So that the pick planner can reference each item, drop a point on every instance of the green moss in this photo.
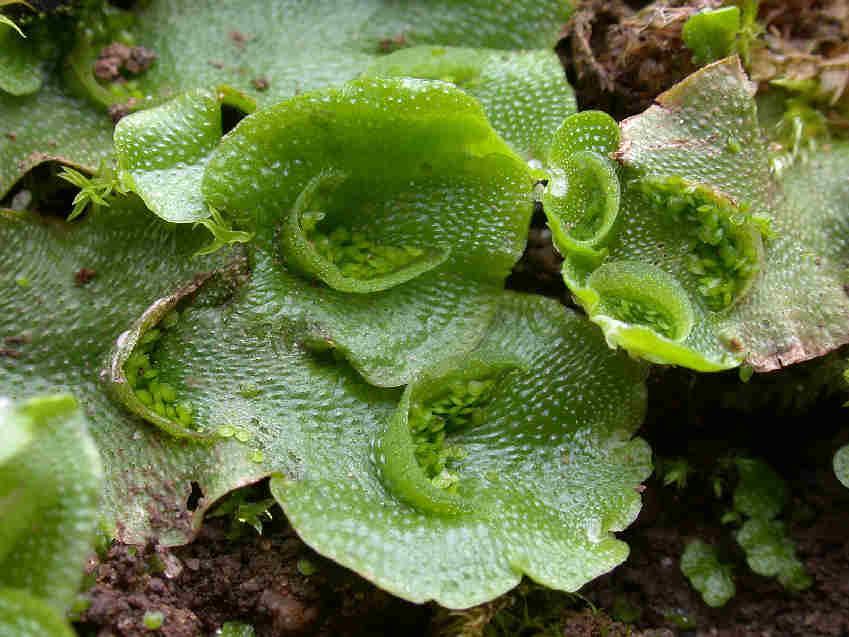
(241, 510)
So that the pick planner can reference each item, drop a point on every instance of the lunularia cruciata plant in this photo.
(368, 171)
(50, 481)
(364, 475)
(509, 451)
(538, 495)
(682, 243)
(162, 152)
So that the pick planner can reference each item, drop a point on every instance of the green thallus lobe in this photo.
(348, 185)
(582, 202)
(588, 226)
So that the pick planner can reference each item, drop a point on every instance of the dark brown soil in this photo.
(817, 26)
(619, 58)
(807, 41)
(538, 271)
(256, 579)
(116, 62)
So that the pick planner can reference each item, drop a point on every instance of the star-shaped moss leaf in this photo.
(681, 243)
